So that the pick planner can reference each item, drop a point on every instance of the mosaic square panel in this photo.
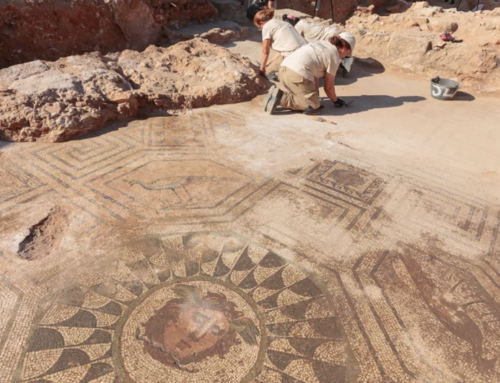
(177, 131)
(340, 177)
(466, 220)
(302, 216)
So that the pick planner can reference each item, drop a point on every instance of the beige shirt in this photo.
(314, 60)
(284, 37)
(315, 32)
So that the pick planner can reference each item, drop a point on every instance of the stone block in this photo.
(440, 25)
(407, 47)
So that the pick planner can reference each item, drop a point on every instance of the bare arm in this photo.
(271, 4)
(266, 48)
(330, 87)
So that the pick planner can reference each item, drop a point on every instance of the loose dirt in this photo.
(45, 236)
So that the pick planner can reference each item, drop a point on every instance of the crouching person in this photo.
(279, 35)
(300, 72)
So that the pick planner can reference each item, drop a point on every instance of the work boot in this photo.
(311, 111)
(274, 100)
(268, 98)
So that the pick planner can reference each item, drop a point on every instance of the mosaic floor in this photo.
(224, 247)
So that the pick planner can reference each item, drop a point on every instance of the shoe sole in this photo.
(267, 99)
(274, 100)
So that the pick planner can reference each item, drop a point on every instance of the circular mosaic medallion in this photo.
(194, 331)
(196, 307)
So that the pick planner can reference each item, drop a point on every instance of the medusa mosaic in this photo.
(195, 325)
(192, 308)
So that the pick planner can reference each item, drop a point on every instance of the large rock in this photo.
(190, 74)
(408, 43)
(136, 20)
(51, 29)
(55, 101)
(440, 25)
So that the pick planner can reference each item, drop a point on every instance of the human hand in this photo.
(339, 103)
(262, 72)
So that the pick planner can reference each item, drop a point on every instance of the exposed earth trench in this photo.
(221, 244)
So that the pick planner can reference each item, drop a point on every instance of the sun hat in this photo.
(347, 36)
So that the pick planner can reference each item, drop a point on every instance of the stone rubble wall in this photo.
(410, 42)
(51, 29)
(344, 9)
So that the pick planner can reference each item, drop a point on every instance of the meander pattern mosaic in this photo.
(235, 276)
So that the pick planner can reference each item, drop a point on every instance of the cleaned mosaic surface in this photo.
(141, 256)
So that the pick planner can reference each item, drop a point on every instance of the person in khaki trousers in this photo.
(279, 35)
(300, 72)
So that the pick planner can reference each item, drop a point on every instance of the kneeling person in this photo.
(300, 72)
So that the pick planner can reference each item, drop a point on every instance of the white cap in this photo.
(347, 36)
